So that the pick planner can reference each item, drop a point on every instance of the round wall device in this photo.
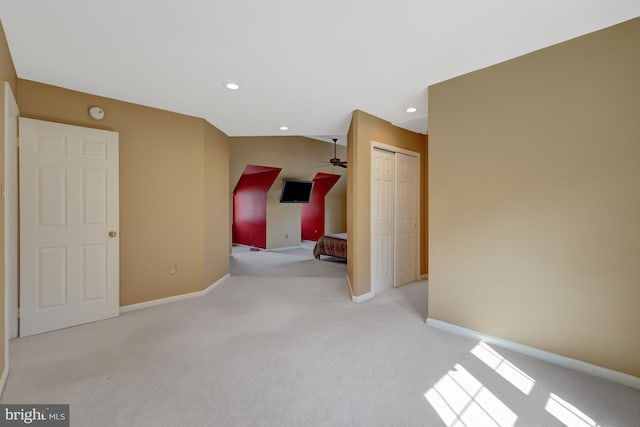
(96, 113)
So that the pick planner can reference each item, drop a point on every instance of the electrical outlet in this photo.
(173, 269)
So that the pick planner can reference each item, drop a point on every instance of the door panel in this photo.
(52, 196)
(95, 197)
(383, 165)
(94, 272)
(406, 219)
(51, 288)
(68, 206)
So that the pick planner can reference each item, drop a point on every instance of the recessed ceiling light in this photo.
(284, 128)
(232, 86)
(412, 110)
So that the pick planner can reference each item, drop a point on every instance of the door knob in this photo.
(112, 234)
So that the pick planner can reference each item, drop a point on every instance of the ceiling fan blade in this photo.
(342, 164)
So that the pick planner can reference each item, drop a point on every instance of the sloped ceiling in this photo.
(302, 64)
(298, 157)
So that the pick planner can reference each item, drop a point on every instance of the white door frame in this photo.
(10, 194)
(394, 149)
(11, 112)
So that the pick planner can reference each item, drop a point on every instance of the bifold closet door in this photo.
(406, 219)
(382, 217)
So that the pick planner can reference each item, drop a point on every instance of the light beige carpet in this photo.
(297, 352)
(297, 262)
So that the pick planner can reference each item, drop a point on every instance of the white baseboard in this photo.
(359, 298)
(247, 246)
(556, 359)
(3, 379)
(349, 288)
(161, 301)
(284, 249)
(363, 297)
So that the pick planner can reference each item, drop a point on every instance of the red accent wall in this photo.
(313, 212)
(250, 205)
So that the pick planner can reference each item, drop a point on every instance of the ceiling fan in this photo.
(336, 161)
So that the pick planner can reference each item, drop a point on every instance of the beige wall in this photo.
(534, 168)
(7, 73)
(163, 194)
(7, 70)
(335, 215)
(299, 158)
(284, 221)
(350, 207)
(364, 129)
(216, 204)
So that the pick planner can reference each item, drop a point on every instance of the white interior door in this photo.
(68, 225)
(10, 189)
(382, 217)
(406, 219)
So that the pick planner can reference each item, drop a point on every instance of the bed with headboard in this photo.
(334, 245)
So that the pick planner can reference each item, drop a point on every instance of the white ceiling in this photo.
(300, 63)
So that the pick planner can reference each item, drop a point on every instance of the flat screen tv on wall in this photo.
(296, 191)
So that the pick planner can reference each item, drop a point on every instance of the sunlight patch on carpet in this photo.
(567, 413)
(461, 400)
(503, 367)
